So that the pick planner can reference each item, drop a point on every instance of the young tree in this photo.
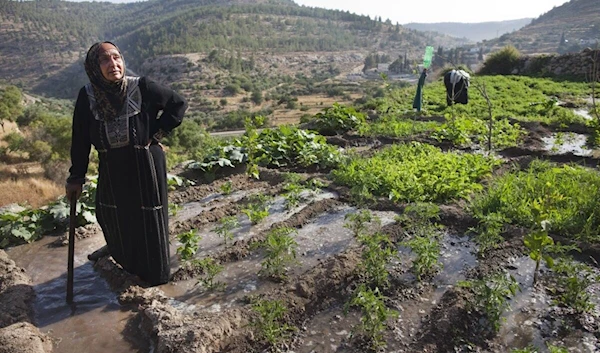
(369, 63)
(396, 66)
(438, 59)
(256, 97)
(10, 105)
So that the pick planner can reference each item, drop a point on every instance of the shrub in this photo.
(257, 97)
(538, 65)
(339, 119)
(231, 89)
(502, 62)
(291, 105)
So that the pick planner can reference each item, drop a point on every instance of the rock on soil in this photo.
(23, 337)
(17, 334)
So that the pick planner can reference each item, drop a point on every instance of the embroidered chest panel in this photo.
(117, 129)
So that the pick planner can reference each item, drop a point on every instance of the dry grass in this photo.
(312, 104)
(33, 191)
(24, 183)
(9, 126)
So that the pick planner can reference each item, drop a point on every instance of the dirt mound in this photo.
(17, 333)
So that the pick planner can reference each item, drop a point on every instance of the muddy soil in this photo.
(186, 315)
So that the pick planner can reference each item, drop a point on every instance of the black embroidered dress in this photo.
(131, 198)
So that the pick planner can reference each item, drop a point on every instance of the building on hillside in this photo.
(383, 68)
(589, 41)
(355, 76)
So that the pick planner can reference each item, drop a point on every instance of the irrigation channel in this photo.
(113, 312)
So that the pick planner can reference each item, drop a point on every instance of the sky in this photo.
(431, 11)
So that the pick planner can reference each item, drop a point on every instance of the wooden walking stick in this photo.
(72, 222)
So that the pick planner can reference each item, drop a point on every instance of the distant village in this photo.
(403, 68)
(472, 57)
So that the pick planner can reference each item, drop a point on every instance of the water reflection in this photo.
(562, 143)
(95, 320)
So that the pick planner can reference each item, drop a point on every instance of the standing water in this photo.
(95, 320)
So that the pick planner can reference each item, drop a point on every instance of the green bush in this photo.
(338, 119)
(231, 89)
(256, 97)
(538, 65)
(502, 62)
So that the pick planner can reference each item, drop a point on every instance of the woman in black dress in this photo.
(119, 115)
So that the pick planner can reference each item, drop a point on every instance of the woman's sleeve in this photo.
(80, 140)
(172, 104)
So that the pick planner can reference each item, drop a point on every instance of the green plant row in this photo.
(416, 172)
(571, 210)
(29, 225)
(284, 146)
(519, 97)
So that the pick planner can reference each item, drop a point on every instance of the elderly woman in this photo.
(119, 115)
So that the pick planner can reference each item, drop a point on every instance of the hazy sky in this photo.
(429, 11)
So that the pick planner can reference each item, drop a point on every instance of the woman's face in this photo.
(111, 62)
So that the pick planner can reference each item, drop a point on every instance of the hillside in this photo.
(475, 32)
(566, 28)
(48, 39)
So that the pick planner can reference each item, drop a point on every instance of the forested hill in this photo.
(43, 42)
(566, 28)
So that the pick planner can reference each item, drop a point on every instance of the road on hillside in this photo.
(229, 133)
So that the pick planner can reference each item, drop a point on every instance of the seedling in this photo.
(267, 325)
(258, 209)
(209, 268)
(189, 244)
(226, 188)
(488, 232)
(538, 241)
(418, 217)
(427, 249)
(173, 209)
(292, 178)
(378, 251)
(573, 280)
(252, 144)
(358, 222)
(280, 249)
(225, 227)
(292, 195)
(255, 213)
(315, 184)
(556, 349)
(361, 195)
(374, 315)
(491, 295)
